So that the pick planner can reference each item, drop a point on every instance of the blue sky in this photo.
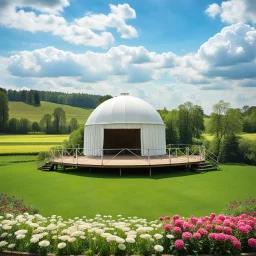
(164, 51)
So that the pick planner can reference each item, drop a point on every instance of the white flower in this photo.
(130, 240)
(77, 233)
(64, 238)
(7, 227)
(158, 236)
(34, 240)
(158, 248)
(120, 240)
(4, 235)
(62, 245)
(11, 246)
(72, 239)
(170, 236)
(122, 247)
(145, 236)
(9, 216)
(21, 232)
(44, 243)
(3, 243)
(19, 237)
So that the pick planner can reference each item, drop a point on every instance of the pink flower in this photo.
(221, 217)
(186, 236)
(208, 226)
(194, 219)
(167, 218)
(177, 230)
(220, 237)
(212, 215)
(179, 244)
(243, 229)
(167, 227)
(199, 222)
(236, 244)
(211, 236)
(252, 242)
(202, 231)
(228, 230)
(197, 235)
(178, 223)
(175, 217)
(218, 228)
(161, 218)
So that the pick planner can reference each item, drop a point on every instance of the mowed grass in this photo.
(29, 143)
(250, 136)
(81, 193)
(23, 110)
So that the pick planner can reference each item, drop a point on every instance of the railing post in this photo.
(148, 158)
(203, 153)
(176, 152)
(101, 157)
(76, 157)
(188, 153)
(169, 155)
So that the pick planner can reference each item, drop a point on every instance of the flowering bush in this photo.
(15, 206)
(237, 208)
(219, 235)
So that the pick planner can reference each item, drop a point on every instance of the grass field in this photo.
(23, 110)
(73, 194)
(251, 136)
(29, 143)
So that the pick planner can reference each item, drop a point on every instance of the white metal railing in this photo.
(187, 153)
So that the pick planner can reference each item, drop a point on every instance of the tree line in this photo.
(72, 99)
(54, 123)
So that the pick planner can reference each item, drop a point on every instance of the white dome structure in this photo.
(124, 122)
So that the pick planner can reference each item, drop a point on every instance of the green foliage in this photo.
(103, 98)
(35, 127)
(229, 152)
(59, 122)
(4, 111)
(249, 120)
(224, 121)
(247, 150)
(236, 208)
(43, 156)
(76, 139)
(25, 126)
(171, 127)
(73, 125)
(14, 125)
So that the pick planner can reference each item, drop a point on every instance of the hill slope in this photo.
(23, 110)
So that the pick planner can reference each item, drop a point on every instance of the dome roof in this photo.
(124, 109)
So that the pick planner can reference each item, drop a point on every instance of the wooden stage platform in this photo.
(127, 161)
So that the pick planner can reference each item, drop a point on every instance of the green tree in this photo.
(224, 121)
(229, 152)
(37, 98)
(103, 98)
(35, 127)
(24, 126)
(14, 125)
(46, 123)
(4, 111)
(73, 124)
(171, 127)
(76, 138)
(59, 121)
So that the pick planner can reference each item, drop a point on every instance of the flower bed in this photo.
(15, 206)
(219, 235)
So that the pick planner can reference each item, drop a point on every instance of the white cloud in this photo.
(80, 31)
(213, 10)
(234, 11)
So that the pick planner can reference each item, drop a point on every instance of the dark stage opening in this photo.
(121, 138)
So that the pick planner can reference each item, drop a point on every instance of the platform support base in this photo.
(150, 173)
(120, 171)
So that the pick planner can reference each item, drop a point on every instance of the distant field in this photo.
(29, 143)
(23, 110)
(251, 136)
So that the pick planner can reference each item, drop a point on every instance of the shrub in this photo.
(15, 206)
(237, 208)
(247, 150)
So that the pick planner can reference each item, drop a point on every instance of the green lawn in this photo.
(73, 194)
(29, 143)
(23, 110)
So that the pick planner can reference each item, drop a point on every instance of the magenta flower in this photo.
(177, 230)
(179, 244)
(186, 236)
(167, 218)
(197, 235)
(252, 242)
(218, 228)
(161, 218)
(211, 236)
(167, 227)
(202, 231)
(228, 230)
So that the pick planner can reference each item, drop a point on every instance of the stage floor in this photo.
(127, 161)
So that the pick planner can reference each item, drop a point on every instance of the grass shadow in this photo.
(132, 173)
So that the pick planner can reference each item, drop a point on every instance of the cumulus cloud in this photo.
(234, 11)
(230, 54)
(80, 31)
